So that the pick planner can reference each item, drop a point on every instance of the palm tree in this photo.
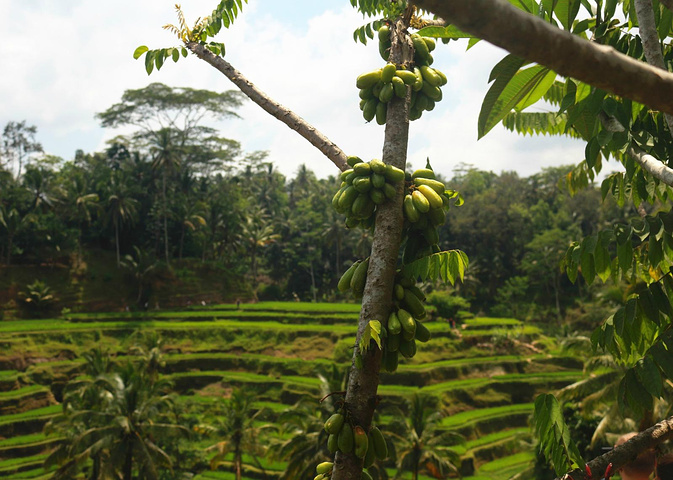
(420, 447)
(238, 426)
(121, 207)
(166, 157)
(79, 203)
(191, 217)
(12, 221)
(116, 423)
(140, 266)
(303, 443)
(256, 232)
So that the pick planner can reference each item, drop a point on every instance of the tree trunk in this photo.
(313, 283)
(165, 218)
(182, 241)
(10, 239)
(361, 393)
(237, 462)
(128, 464)
(117, 241)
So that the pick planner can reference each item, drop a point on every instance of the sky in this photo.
(62, 61)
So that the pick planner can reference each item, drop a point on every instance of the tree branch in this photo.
(627, 452)
(651, 165)
(647, 162)
(529, 37)
(647, 27)
(361, 392)
(275, 109)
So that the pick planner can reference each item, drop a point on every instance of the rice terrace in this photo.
(276, 351)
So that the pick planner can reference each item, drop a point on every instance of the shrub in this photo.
(448, 304)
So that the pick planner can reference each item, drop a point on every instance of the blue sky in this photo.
(71, 59)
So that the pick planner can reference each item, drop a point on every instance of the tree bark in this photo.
(275, 109)
(647, 28)
(361, 391)
(529, 37)
(627, 452)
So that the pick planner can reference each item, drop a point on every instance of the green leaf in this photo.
(648, 307)
(509, 90)
(663, 359)
(149, 61)
(542, 85)
(371, 332)
(139, 51)
(648, 374)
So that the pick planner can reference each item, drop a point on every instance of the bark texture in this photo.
(275, 109)
(529, 37)
(647, 28)
(626, 452)
(361, 392)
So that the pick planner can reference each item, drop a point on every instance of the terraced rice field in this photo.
(277, 350)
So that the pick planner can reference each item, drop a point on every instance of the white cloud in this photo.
(76, 61)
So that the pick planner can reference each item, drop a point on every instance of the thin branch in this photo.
(529, 37)
(627, 452)
(647, 162)
(647, 27)
(275, 109)
(653, 166)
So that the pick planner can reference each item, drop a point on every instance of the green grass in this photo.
(22, 392)
(30, 414)
(63, 326)
(481, 321)
(12, 463)
(506, 463)
(24, 440)
(7, 374)
(491, 438)
(491, 332)
(206, 315)
(290, 307)
(484, 413)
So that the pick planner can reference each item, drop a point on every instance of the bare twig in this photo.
(275, 109)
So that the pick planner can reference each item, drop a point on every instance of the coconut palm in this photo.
(256, 232)
(241, 435)
(117, 424)
(420, 446)
(166, 154)
(303, 443)
(121, 206)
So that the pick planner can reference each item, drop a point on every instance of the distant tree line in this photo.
(177, 192)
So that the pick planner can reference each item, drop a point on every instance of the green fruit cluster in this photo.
(404, 323)
(355, 278)
(425, 205)
(348, 439)
(380, 86)
(364, 186)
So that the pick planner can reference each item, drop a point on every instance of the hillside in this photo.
(486, 374)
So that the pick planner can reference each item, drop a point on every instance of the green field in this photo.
(276, 350)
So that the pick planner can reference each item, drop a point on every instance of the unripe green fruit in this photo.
(334, 423)
(345, 440)
(324, 467)
(380, 446)
(420, 202)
